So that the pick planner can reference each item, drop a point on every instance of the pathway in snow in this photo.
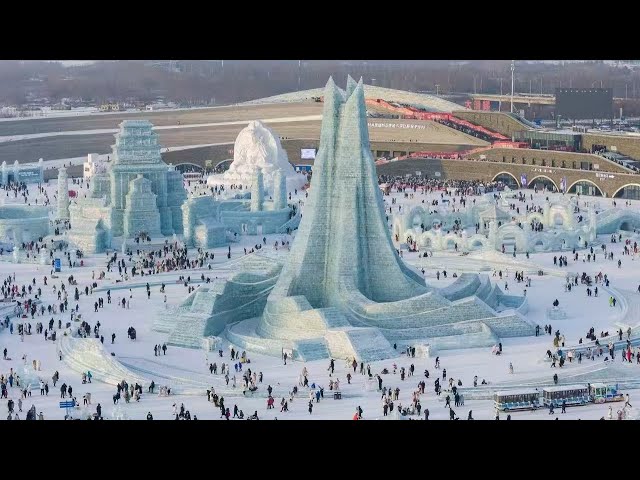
(14, 138)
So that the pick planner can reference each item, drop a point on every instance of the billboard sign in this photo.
(29, 175)
(308, 153)
(584, 103)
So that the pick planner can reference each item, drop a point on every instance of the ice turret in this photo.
(257, 191)
(63, 194)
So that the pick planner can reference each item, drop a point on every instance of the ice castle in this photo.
(343, 291)
(139, 194)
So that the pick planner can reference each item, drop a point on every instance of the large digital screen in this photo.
(584, 103)
(308, 153)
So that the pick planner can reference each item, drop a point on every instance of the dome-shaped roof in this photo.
(257, 146)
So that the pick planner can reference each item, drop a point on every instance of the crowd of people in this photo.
(47, 306)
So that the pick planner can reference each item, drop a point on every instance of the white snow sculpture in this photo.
(118, 413)
(556, 313)
(257, 146)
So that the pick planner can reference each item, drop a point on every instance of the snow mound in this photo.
(257, 146)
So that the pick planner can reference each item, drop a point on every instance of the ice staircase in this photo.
(209, 310)
(204, 300)
(254, 262)
(311, 349)
(483, 337)
(189, 332)
(363, 344)
(197, 302)
(291, 224)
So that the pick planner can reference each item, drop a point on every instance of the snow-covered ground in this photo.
(93, 111)
(190, 365)
(57, 163)
(31, 136)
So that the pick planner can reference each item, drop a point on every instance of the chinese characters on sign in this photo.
(604, 176)
(397, 125)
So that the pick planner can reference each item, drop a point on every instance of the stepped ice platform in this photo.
(343, 291)
(208, 309)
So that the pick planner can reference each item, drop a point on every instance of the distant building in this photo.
(110, 107)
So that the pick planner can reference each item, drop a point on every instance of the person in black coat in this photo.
(149, 416)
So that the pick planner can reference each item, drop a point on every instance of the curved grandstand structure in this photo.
(427, 102)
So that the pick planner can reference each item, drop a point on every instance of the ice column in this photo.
(257, 191)
(63, 194)
(280, 191)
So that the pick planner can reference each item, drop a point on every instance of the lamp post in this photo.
(437, 87)
(513, 67)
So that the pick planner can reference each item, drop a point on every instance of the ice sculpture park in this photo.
(395, 279)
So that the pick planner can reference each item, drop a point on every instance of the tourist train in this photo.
(572, 395)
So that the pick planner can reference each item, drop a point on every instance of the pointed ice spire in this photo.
(351, 85)
(333, 100)
(355, 118)
(360, 99)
